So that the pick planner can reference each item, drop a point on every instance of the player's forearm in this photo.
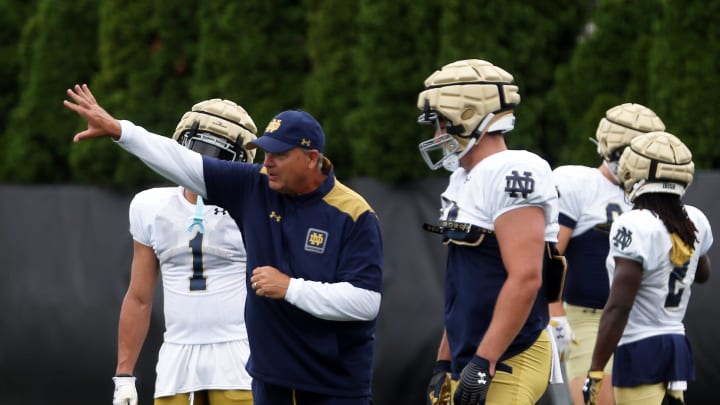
(132, 330)
(702, 274)
(165, 156)
(557, 309)
(444, 352)
(333, 301)
(612, 324)
(512, 309)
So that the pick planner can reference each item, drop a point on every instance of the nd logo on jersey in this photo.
(316, 240)
(516, 183)
(622, 238)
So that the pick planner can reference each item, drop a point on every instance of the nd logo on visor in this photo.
(274, 125)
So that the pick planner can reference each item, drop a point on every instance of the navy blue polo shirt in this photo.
(329, 235)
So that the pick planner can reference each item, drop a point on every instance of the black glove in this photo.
(438, 390)
(474, 382)
(591, 389)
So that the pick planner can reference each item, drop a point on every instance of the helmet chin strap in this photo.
(452, 161)
(503, 124)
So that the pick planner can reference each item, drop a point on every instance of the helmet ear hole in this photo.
(467, 114)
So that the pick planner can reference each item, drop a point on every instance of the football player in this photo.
(498, 214)
(589, 202)
(198, 252)
(657, 250)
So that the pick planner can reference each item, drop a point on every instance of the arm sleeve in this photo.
(702, 224)
(568, 202)
(138, 229)
(165, 156)
(534, 186)
(333, 301)
(627, 239)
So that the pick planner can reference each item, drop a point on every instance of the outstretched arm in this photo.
(165, 156)
(100, 122)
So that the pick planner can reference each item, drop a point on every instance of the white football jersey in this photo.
(664, 293)
(588, 197)
(500, 183)
(204, 289)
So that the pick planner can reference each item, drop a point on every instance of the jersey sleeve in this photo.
(570, 200)
(140, 228)
(627, 240)
(702, 224)
(520, 183)
(165, 156)
(228, 182)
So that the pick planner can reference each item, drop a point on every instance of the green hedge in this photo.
(356, 65)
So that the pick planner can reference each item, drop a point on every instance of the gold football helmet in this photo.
(473, 97)
(620, 125)
(657, 162)
(217, 128)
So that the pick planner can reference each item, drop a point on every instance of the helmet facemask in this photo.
(447, 148)
(455, 146)
(612, 161)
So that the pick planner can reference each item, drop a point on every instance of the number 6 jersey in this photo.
(664, 293)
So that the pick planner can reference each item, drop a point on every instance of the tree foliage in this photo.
(385, 135)
(683, 75)
(356, 65)
(35, 144)
(331, 39)
(13, 19)
(609, 66)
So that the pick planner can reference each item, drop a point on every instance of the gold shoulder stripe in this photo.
(347, 201)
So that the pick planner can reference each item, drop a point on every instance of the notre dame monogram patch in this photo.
(622, 238)
(316, 240)
(515, 183)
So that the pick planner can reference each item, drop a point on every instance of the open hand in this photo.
(100, 123)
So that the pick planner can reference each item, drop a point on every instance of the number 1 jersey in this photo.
(203, 274)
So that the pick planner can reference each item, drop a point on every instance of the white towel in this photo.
(555, 370)
(677, 385)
